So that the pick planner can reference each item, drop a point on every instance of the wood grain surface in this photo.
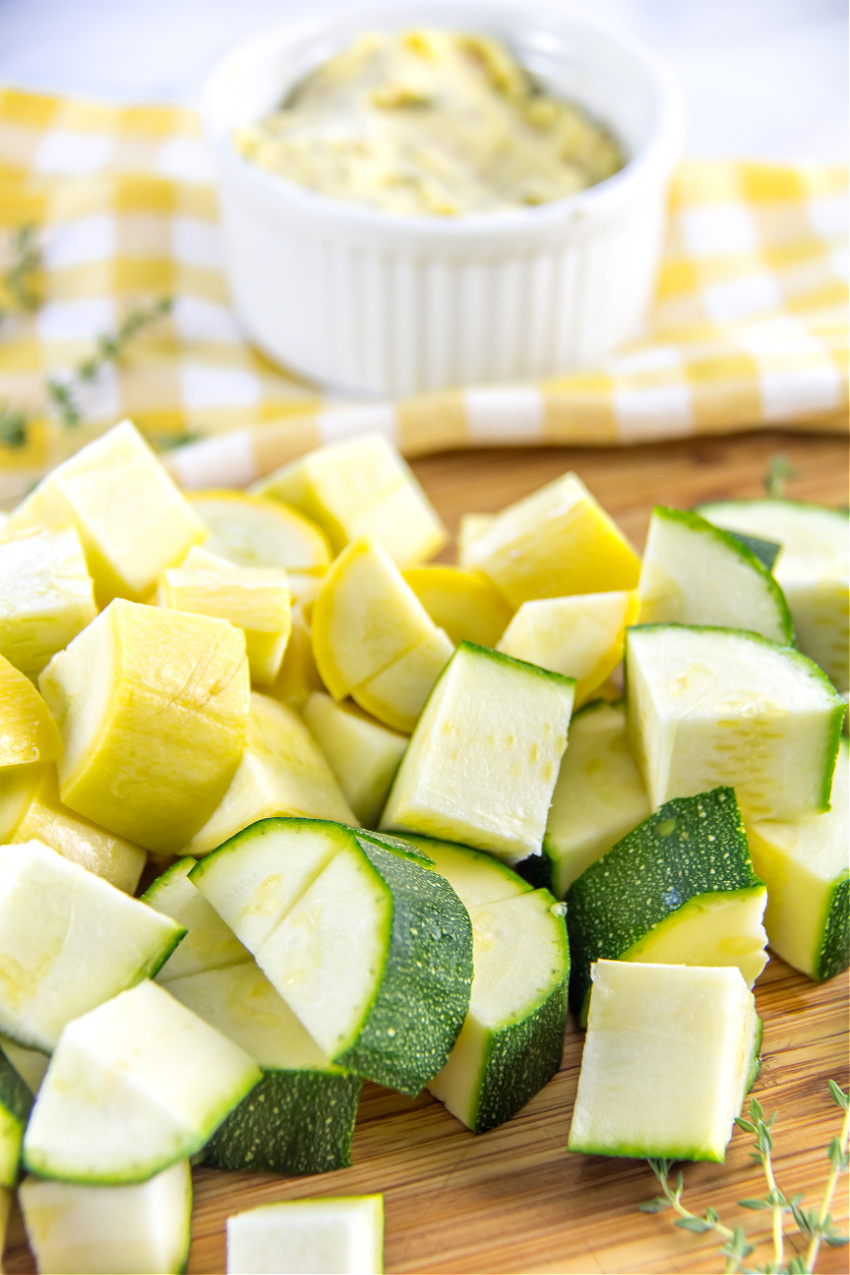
(515, 1200)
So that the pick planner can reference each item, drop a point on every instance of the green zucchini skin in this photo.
(690, 846)
(537, 869)
(834, 955)
(15, 1105)
(755, 1059)
(423, 996)
(523, 1057)
(293, 1122)
(767, 551)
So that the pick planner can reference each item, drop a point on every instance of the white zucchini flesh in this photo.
(483, 760)
(695, 573)
(667, 1061)
(208, 943)
(133, 1086)
(58, 922)
(110, 1230)
(285, 859)
(475, 877)
(710, 707)
(599, 796)
(812, 569)
(334, 1236)
(327, 955)
(804, 866)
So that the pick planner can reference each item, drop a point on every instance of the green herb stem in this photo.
(832, 1182)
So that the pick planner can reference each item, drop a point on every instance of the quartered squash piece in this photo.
(46, 595)
(28, 732)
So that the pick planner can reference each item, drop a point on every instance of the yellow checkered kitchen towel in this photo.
(749, 329)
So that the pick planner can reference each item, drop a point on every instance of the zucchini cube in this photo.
(46, 595)
(132, 520)
(804, 866)
(482, 762)
(670, 1053)
(153, 709)
(208, 943)
(97, 1230)
(333, 1236)
(15, 1105)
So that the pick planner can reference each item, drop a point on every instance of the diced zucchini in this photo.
(282, 771)
(153, 710)
(580, 636)
(98, 1230)
(45, 819)
(482, 763)
(208, 944)
(252, 532)
(15, 1105)
(461, 601)
(300, 1117)
(400, 691)
(695, 573)
(680, 888)
(812, 570)
(513, 1034)
(668, 1058)
(133, 1086)
(361, 486)
(363, 754)
(717, 706)
(28, 732)
(131, 519)
(51, 913)
(370, 950)
(335, 1236)
(30, 1064)
(599, 796)
(476, 878)
(804, 866)
(555, 542)
(46, 595)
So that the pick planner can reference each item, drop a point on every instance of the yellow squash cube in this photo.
(283, 772)
(361, 487)
(255, 599)
(153, 709)
(471, 528)
(45, 819)
(397, 695)
(364, 618)
(581, 636)
(18, 787)
(555, 542)
(46, 595)
(462, 601)
(28, 733)
(299, 676)
(131, 519)
(363, 755)
(251, 531)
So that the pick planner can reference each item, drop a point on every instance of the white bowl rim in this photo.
(659, 152)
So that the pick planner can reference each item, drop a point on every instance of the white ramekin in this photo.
(369, 302)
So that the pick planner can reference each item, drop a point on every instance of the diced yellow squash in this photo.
(18, 786)
(364, 618)
(28, 732)
(557, 541)
(46, 595)
(299, 676)
(283, 772)
(462, 601)
(361, 487)
(251, 531)
(362, 753)
(132, 520)
(45, 819)
(581, 636)
(471, 528)
(153, 708)
(255, 599)
(397, 695)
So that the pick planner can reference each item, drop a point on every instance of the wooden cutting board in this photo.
(515, 1200)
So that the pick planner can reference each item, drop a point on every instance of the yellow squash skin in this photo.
(153, 708)
(461, 601)
(28, 733)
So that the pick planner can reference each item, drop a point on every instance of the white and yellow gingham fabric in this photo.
(749, 329)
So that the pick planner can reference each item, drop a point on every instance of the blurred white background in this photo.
(763, 78)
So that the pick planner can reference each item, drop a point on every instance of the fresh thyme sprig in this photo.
(18, 279)
(814, 1223)
(780, 471)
